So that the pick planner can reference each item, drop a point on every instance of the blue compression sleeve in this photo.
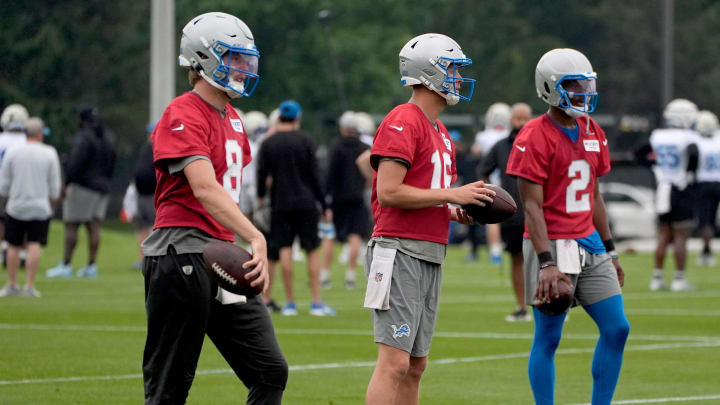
(541, 366)
(609, 315)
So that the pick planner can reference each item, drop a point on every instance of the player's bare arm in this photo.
(392, 192)
(532, 198)
(219, 205)
(600, 220)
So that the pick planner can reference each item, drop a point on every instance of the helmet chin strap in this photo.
(220, 87)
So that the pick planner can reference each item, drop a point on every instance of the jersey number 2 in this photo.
(576, 201)
(233, 175)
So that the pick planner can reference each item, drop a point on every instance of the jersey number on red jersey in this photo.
(441, 166)
(233, 175)
(575, 201)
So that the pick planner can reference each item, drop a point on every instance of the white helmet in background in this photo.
(274, 117)
(498, 115)
(217, 44)
(13, 118)
(347, 121)
(365, 123)
(434, 60)
(256, 123)
(680, 113)
(561, 76)
(707, 123)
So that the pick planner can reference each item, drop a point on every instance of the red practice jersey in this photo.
(567, 171)
(189, 127)
(407, 134)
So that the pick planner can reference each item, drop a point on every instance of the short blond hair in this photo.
(193, 77)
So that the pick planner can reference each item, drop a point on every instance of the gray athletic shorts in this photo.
(597, 279)
(145, 216)
(83, 204)
(414, 297)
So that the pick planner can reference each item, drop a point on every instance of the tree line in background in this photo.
(59, 55)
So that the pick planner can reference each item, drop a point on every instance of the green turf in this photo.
(94, 330)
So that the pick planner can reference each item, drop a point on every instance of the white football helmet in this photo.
(498, 115)
(707, 123)
(13, 118)
(347, 120)
(256, 123)
(565, 75)
(434, 60)
(217, 45)
(680, 113)
(365, 123)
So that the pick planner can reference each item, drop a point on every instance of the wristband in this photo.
(547, 264)
(609, 245)
(613, 254)
(545, 257)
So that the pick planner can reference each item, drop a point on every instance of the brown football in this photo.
(224, 261)
(501, 209)
(558, 305)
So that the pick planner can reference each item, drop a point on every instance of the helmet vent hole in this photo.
(413, 45)
(202, 56)
(547, 88)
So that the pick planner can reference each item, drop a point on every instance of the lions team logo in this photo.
(378, 277)
(403, 330)
(448, 144)
(237, 125)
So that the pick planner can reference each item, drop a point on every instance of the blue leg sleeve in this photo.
(609, 315)
(541, 366)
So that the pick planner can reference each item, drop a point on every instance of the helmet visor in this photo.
(454, 82)
(578, 92)
(238, 70)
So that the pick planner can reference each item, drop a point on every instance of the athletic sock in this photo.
(541, 365)
(657, 273)
(679, 274)
(609, 315)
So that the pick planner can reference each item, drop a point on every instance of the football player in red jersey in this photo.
(199, 150)
(413, 160)
(557, 158)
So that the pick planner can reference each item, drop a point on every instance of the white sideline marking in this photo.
(663, 400)
(363, 332)
(359, 364)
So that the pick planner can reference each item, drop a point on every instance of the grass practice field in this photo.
(82, 342)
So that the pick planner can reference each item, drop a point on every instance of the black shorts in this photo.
(286, 225)
(351, 218)
(512, 237)
(682, 207)
(707, 203)
(17, 231)
(181, 310)
(273, 253)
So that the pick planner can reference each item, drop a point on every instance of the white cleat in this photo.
(681, 284)
(657, 284)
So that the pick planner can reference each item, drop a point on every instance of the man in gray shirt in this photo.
(30, 182)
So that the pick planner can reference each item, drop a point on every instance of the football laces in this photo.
(222, 273)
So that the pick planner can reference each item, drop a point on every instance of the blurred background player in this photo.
(345, 191)
(414, 163)
(708, 187)
(12, 121)
(497, 127)
(145, 183)
(30, 184)
(512, 229)
(87, 182)
(676, 161)
(288, 156)
(557, 158)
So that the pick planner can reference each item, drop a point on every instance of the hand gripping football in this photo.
(558, 305)
(224, 261)
(501, 209)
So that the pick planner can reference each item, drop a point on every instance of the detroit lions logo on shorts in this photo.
(403, 330)
(378, 277)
